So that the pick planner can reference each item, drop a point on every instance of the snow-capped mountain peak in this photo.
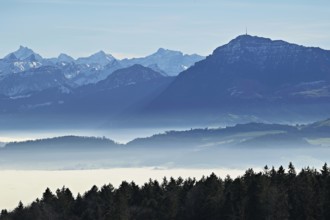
(100, 58)
(102, 55)
(23, 53)
(92, 68)
(168, 62)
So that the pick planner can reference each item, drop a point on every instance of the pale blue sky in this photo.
(127, 28)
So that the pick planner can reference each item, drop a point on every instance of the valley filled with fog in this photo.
(51, 158)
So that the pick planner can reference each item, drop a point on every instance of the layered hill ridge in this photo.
(240, 135)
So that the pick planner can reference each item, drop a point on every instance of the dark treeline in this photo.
(271, 194)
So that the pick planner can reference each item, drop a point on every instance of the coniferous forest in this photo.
(270, 194)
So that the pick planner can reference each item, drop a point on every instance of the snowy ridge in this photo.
(91, 69)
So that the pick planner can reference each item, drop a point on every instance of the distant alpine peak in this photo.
(97, 58)
(23, 49)
(103, 57)
(101, 53)
(64, 58)
(163, 51)
(23, 53)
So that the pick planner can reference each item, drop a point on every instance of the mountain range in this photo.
(249, 79)
(19, 65)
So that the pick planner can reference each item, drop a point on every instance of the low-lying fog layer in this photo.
(239, 146)
(26, 186)
(85, 161)
(168, 158)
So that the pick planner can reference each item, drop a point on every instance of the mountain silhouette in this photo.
(249, 72)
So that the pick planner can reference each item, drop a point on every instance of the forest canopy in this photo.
(271, 194)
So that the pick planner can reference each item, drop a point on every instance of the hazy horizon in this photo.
(135, 29)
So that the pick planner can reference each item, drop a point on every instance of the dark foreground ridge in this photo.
(271, 194)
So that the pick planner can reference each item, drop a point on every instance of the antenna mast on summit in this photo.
(246, 31)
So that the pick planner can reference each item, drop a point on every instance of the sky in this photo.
(135, 28)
